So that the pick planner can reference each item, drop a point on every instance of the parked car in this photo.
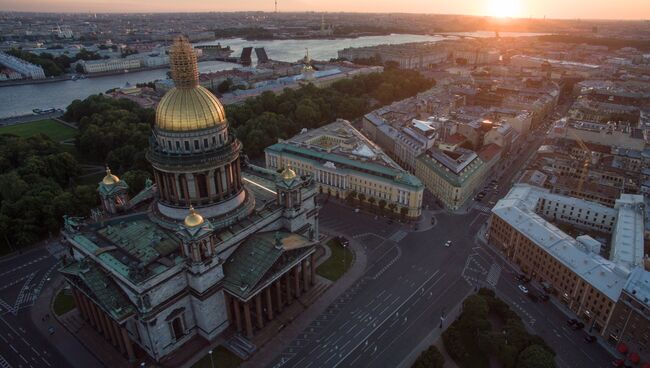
(572, 322)
(544, 297)
(590, 338)
(448, 243)
(533, 296)
(618, 363)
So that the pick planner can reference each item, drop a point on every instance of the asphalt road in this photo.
(21, 344)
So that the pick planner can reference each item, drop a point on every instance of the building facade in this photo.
(606, 291)
(342, 161)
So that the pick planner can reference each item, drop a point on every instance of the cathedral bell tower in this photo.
(114, 193)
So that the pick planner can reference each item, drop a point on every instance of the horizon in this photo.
(599, 10)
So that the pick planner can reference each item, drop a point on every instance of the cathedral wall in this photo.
(210, 315)
(162, 334)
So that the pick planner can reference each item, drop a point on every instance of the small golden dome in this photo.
(110, 179)
(187, 106)
(193, 219)
(287, 174)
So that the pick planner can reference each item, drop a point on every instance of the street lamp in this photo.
(442, 317)
(211, 360)
(345, 255)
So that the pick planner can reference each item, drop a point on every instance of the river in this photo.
(22, 99)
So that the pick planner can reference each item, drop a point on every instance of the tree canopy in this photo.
(36, 189)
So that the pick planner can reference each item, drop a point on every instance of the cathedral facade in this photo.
(205, 249)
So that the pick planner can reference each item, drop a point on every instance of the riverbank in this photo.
(20, 82)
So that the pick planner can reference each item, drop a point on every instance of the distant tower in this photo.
(276, 6)
(307, 69)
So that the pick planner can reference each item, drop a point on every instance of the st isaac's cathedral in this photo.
(205, 249)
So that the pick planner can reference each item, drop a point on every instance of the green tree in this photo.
(382, 205)
(136, 180)
(535, 356)
(430, 358)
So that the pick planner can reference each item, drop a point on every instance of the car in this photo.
(533, 297)
(448, 243)
(572, 321)
(590, 338)
(578, 326)
(523, 289)
(544, 297)
(618, 363)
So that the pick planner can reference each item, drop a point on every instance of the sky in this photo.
(571, 9)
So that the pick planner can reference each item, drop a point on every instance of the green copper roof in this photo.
(131, 243)
(259, 256)
(392, 175)
(99, 287)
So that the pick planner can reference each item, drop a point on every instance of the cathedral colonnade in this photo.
(203, 187)
(114, 334)
(251, 315)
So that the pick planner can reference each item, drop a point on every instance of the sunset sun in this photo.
(503, 8)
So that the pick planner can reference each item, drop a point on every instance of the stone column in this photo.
(305, 275)
(258, 311)
(288, 287)
(237, 314)
(296, 279)
(98, 326)
(191, 186)
(228, 303)
(120, 341)
(110, 336)
(312, 268)
(269, 302)
(224, 182)
(212, 190)
(127, 344)
(89, 312)
(247, 318)
(179, 188)
(278, 294)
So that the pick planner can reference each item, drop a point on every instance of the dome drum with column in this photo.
(195, 159)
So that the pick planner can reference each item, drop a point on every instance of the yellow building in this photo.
(344, 163)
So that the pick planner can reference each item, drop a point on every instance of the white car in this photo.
(523, 289)
(448, 243)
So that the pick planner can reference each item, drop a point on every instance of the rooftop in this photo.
(342, 146)
(518, 209)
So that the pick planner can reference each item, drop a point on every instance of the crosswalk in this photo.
(483, 208)
(493, 274)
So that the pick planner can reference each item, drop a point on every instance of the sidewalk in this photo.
(62, 339)
(282, 340)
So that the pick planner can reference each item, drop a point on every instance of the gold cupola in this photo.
(187, 106)
(193, 219)
(110, 179)
(288, 174)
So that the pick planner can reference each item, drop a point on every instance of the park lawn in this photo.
(222, 358)
(52, 128)
(63, 303)
(339, 262)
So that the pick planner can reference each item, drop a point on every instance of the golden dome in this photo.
(287, 174)
(110, 179)
(187, 106)
(189, 109)
(193, 219)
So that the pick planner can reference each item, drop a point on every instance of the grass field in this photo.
(222, 358)
(339, 262)
(49, 127)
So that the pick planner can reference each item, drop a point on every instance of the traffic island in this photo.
(63, 302)
(340, 260)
